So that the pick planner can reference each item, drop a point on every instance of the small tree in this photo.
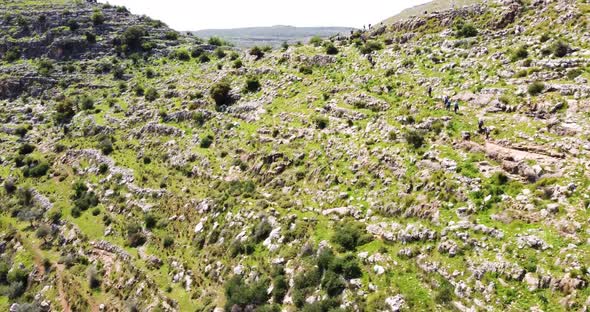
(257, 52)
(414, 138)
(43, 231)
(220, 93)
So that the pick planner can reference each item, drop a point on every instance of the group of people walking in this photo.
(448, 103)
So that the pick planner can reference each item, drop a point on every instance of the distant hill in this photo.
(273, 36)
(436, 5)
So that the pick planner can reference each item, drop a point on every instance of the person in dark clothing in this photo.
(480, 126)
(430, 92)
(456, 107)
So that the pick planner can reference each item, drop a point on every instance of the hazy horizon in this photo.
(185, 15)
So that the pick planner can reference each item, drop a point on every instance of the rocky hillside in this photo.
(143, 170)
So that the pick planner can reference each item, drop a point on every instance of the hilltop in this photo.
(146, 170)
(430, 7)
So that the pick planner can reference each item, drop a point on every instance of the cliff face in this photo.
(435, 163)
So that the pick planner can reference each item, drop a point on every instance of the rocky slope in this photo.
(143, 170)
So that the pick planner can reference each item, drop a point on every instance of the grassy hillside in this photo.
(142, 170)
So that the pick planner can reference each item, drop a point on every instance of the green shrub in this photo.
(252, 84)
(306, 69)
(216, 41)
(197, 51)
(206, 141)
(86, 102)
(181, 55)
(261, 231)
(151, 94)
(26, 149)
(220, 92)
(237, 64)
(574, 73)
(97, 18)
(257, 52)
(237, 293)
(93, 278)
(171, 35)
(73, 24)
(333, 284)
(536, 88)
(331, 49)
(350, 234)
(168, 242)
(316, 41)
(45, 67)
(280, 288)
(321, 122)
(414, 138)
(106, 146)
(348, 266)
(560, 49)
(133, 38)
(219, 53)
(36, 168)
(12, 55)
(135, 235)
(520, 54)
(463, 30)
(444, 294)
(371, 46)
(204, 58)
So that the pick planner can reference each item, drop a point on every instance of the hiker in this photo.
(448, 103)
(487, 132)
(480, 126)
(456, 106)
(370, 59)
(430, 92)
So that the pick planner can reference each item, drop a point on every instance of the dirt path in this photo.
(63, 299)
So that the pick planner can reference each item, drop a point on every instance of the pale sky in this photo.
(205, 14)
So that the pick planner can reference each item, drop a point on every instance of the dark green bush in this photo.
(415, 138)
(371, 46)
(135, 235)
(206, 141)
(560, 49)
(331, 49)
(520, 54)
(26, 149)
(133, 38)
(305, 69)
(333, 284)
(463, 30)
(171, 35)
(219, 53)
(536, 88)
(237, 293)
(261, 231)
(13, 54)
(220, 92)
(257, 52)
(252, 84)
(350, 235)
(106, 146)
(321, 122)
(151, 94)
(97, 18)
